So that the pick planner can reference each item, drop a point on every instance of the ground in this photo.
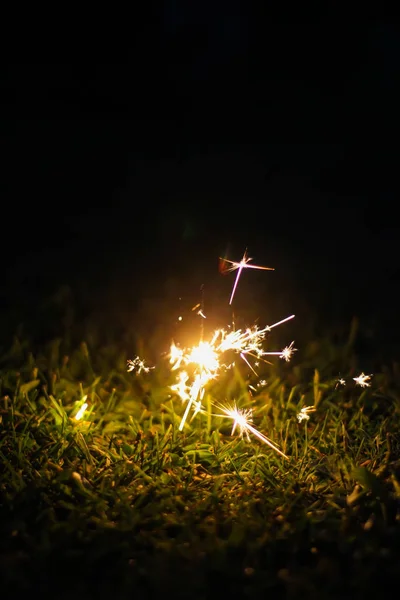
(122, 503)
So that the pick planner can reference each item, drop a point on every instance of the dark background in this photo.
(122, 182)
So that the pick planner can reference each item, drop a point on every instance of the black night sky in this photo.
(123, 182)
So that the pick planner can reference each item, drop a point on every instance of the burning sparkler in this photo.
(205, 360)
(239, 266)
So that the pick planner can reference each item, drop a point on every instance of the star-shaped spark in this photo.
(242, 419)
(287, 352)
(239, 266)
(340, 381)
(363, 380)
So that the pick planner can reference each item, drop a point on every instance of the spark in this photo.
(269, 327)
(243, 418)
(242, 356)
(197, 407)
(82, 410)
(239, 266)
(285, 354)
(303, 415)
(181, 388)
(340, 381)
(199, 310)
(176, 356)
(363, 380)
(139, 365)
(196, 396)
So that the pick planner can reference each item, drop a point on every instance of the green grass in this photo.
(123, 505)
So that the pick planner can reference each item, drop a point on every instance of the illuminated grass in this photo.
(122, 504)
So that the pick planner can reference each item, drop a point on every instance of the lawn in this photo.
(122, 504)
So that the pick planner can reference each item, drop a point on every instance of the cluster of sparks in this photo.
(206, 361)
(361, 380)
(138, 365)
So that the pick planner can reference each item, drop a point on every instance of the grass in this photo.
(121, 504)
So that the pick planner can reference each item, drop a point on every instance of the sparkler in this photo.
(239, 266)
(205, 360)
